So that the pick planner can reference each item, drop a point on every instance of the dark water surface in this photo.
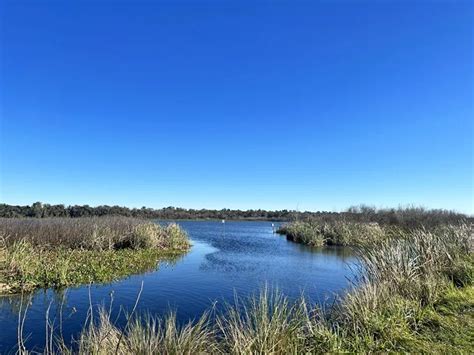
(226, 259)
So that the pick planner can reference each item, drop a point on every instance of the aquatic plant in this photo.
(94, 233)
(26, 267)
(61, 252)
(318, 233)
(408, 300)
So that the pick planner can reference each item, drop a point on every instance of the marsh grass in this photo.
(408, 300)
(93, 233)
(365, 224)
(271, 324)
(405, 278)
(29, 267)
(146, 335)
(63, 251)
(267, 323)
(318, 233)
(416, 264)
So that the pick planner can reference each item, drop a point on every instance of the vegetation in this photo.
(363, 225)
(40, 210)
(57, 252)
(416, 294)
(315, 233)
(146, 336)
(406, 218)
(409, 217)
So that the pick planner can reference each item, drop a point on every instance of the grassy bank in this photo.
(364, 225)
(416, 294)
(319, 233)
(60, 252)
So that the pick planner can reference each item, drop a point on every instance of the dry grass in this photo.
(319, 233)
(63, 251)
(94, 233)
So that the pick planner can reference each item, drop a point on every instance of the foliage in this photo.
(40, 210)
(408, 217)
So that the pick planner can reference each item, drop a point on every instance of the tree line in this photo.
(44, 210)
(406, 216)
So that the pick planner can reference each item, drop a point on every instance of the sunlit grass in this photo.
(343, 233)
(415, 295)
(63, 252)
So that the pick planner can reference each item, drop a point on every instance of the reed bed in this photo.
(343, 233)
(92, 233)
(57, 252)
(415, 294)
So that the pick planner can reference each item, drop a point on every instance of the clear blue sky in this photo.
(315, 105)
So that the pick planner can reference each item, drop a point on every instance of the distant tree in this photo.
(37, 210)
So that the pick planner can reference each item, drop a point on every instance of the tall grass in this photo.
(416, 294)
(405, 277)
(266, 324)
(59, 252)
(366, 224)
(146, 335)
(415, 264)
(319, 233)
(407, 218)
(94, 233)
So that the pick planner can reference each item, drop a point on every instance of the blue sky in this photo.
(275, 105)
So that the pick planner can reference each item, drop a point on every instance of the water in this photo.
(226, 259)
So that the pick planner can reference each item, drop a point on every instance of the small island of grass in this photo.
(60, 252)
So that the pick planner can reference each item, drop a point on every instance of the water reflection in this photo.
(242, 260)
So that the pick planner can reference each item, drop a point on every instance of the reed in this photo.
(415, 294)
(343, 233)
(145, 335)
(92, 233)
(59, 252)
(267, 323)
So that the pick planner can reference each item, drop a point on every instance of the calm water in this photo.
(238, 257)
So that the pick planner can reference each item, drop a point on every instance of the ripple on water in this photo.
(240, 259)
